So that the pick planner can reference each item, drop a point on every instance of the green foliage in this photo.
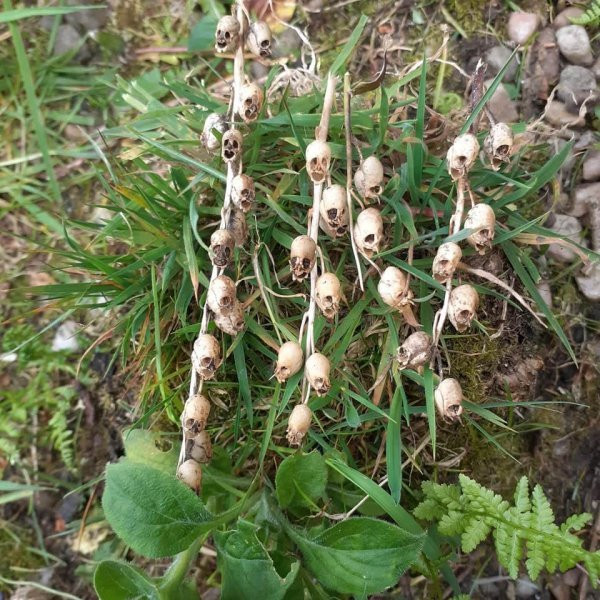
(472, 512)
(590, 17)
(119, 581)
(301, 479)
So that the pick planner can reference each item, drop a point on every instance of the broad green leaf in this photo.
(301, 479)
(247, 570)
(115, 580)
(151, 511)
(151, 449)
(202, 36)
(359, 556)
(8, 16)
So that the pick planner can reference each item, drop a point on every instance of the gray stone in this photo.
(591, 166)
(574, 44)
(558, 115)
(525, 588)
(68, 39)
(501, 105)
(576, 85)
(92, 19)
(563, 19)
(585, 196)
(589, 282)
(496, 58)
(570, 228)
(545, 291)
(521, 26)
(288, 42)
(596, 69)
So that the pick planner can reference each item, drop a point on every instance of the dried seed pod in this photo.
(334, 210)
(298, 424)
(482, 220)
(206, 356)
(259, 39)
(302, 257)
(232, 322)
(446, 260)
(368, 232)
(232, 145)
(221, 295)
(200, 448)
(317, 369)
(250, 102)
(462, 155)
(236, 224)
(195, 414)
(448, 399)
(209, 140)
(328, 293)
(392, 287)
(290, 359)
(242, 192)
(222, 244)
(415, 351)
(464, 301)
(498, 144)
(227, 35)
(368, 178)
(318, 159)
(190, 472)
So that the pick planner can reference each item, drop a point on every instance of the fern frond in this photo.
(591, 16)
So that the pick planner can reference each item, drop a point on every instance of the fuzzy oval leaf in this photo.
(115, 580)
(301, 479)
(143, 446)
(359, 556)
(247, 569)
(151, 511)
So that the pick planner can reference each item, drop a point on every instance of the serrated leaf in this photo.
(115, 580)
(509, 548)
(522, 503)
(576, 522)
(475, 531)
(301, 479)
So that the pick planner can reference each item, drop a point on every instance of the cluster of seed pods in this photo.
(222, 304)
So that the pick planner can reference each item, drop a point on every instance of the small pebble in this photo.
(570, 228)
(525, 588)
(543, 288)
(563, 19)
(584, 197)
(576, 85)
(496, 58)
(574, 44)
(591, 166)
(596, 69)
(589, 282)
(67, 39)
(521, 26)
(65, 338)
(558, 115)
(501, 105)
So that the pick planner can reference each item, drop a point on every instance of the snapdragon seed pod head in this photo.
(446, 260)
(222, 244)
(415, 351)
(368, 178)
(317, 369)
(232, 145)
(462, 308)
(368, 232)
(482, 220)
(209, 140)
(392, 287)
(302, 257)
(328, 293)
(259, 39)
(195, 414)
(334, 209)
(318, 159)
(462, 155)
(242, 192)
(190, 473)
(290, 359)
(250, 102)
(206, 356)
(200, 448)
(221, 295)
(231, 322)
(298, 424)
(448, 399)
(498, 144)
(227, 35)
(237, 226)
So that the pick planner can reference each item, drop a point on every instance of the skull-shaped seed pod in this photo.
(302, 257)
(462, 155)
(392, 287)
(232, 145)
(222, 244)
(221, 295)
(227, 35)
(209, 140)
(242, 192)
(482, 220)
(200, 448)
(190, 472)
(236, 224)
(317, 369)
(368, 232)
(290, 359)
(232, 322)
(368, 178)
(206, 356)
(334, 210)
(446, 260)
(448, 399)
(259, 39)
(298, 424)
(462, 307)
(195, 414)
(415, 351)
(318, 159)
(498, 144)
(250, 102)
(328, 293)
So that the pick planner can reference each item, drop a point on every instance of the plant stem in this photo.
(176, 573)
